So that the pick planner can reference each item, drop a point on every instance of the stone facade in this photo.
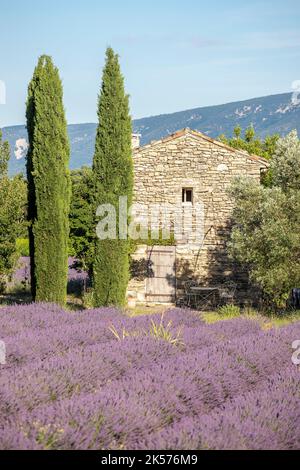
(188, 160)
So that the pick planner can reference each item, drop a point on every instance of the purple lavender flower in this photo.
(70, 383)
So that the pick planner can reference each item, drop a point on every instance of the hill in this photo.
(269, 115)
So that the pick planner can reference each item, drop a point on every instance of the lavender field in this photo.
(76, 276)
(100, 380)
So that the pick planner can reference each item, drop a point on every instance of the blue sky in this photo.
(175, 55)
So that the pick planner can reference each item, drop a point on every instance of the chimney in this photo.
(135, 140)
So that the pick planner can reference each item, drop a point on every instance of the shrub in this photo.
(88, 298)
(23, 246)
(266, 233)
(229, 311)
(12, 215)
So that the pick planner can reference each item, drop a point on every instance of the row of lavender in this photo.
(69, 383)
(77, 278)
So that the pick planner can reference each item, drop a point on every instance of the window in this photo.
(187, 195)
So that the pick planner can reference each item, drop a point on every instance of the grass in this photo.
(146, 310)
(18, 295)
(282, 320)
(15, 297)
(120, 335)
(266, 320)
(157, 330)
(161, 331)
(213, 317)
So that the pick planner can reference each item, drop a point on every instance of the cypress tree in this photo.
(49, 187)
(113, 177)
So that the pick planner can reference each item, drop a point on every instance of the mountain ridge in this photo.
(269, 114)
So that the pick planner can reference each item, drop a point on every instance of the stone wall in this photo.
(189, 159)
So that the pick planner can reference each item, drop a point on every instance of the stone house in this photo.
(185, 170)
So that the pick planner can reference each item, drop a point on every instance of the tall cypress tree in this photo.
(49, 183)
(113, 177)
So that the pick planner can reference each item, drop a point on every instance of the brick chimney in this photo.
(135, 141)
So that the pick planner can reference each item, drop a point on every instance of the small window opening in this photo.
(187, 195)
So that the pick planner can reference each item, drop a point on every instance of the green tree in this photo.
(4, 156)
(251, 142)
(113, 177)
(48, 184)
(12, 215)
(82, 230)
(285, 164)
(266, 234)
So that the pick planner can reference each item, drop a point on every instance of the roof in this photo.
(199, 135)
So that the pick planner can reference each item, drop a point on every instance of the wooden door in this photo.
(161, 279)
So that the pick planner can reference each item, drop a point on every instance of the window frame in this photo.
(185, 191)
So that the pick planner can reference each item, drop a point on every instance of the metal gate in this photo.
(161, 276)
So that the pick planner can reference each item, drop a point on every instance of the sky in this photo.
(174, 55)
